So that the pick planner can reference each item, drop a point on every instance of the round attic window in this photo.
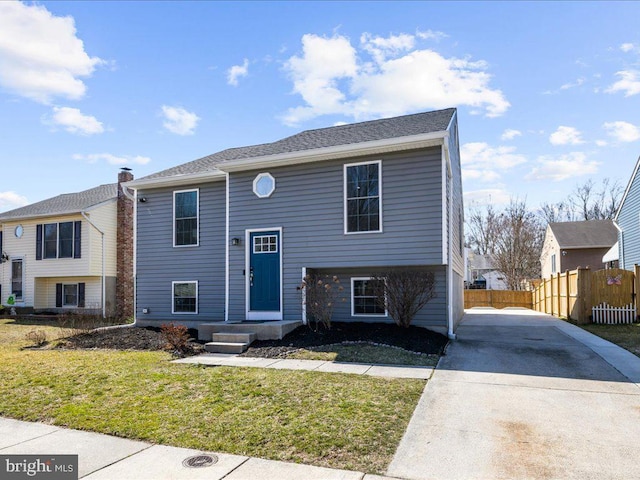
(264, 185)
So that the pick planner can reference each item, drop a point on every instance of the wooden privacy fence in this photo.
(497, 298)
(584, 295)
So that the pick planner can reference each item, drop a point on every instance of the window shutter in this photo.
(77, 240)
(0, 242)
(58, 294)
(81, 295)
(39, 242)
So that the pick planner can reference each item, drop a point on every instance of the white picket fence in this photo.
(608, 315)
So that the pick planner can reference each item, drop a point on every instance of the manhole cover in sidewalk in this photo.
(200, 461)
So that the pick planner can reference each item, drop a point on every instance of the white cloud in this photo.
(487, 196)
(74, 121)
(10, 200)
(577, 83)
(563, 167)
(387, 76)
(566, 136)
(40, 55)
(480, 155)
(179, 121)
(113, 159)
(510, 134)
(601, 143)
(629, 83)
(431, 35)
(237, 71)
(628, 47)
(480, 175)
(622, 131)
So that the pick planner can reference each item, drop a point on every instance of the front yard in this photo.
(335, 420)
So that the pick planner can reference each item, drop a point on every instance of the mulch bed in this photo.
(129, 338)
(414, 339)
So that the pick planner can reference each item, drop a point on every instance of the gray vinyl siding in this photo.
(433, 315)
(629, 222)
(457, 222)
(308, 204)
(159, 262)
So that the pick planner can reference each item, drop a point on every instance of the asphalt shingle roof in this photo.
(587, 234)
(65, 203)
(386, 128)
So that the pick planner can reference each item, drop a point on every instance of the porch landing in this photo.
(273, 330)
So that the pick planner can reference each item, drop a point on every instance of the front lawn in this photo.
(625, 336)
(334, 420)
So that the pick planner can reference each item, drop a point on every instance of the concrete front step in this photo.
(226, 347)
(234, 337)
(268, 330)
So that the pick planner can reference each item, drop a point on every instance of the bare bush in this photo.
(321, 294)
(176, 336)
(403, 293)
(37, 337)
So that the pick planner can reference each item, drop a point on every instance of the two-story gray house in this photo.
(627, 222)
(229, 237)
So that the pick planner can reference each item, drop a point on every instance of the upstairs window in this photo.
(58, 240)
(186, 218)
(362, 191)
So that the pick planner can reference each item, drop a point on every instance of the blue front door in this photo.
(264, 271)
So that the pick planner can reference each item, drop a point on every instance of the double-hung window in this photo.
(363, 199)
(364, 299)
(185, 297)
(58, 240)
(185, 218)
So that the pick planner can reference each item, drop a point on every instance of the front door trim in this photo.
(261, 315)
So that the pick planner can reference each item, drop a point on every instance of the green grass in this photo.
(625, 336)
(365, 353)
(334, 420)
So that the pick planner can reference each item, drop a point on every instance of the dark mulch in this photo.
(415, 339)
(126, 339)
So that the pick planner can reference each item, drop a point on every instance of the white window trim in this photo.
(64, 305)
(173, 294)
(19, 301)
(353, 306)
(173, 219)
(259, 177)
(344, 187)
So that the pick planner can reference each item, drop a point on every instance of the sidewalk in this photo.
(231, 360)
(103, 457)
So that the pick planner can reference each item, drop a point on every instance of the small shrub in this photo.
(321, 293)
(176, 336)
(37, 337)
(403, 293)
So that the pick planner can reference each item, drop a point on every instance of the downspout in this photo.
(104, 295)
(450, 332)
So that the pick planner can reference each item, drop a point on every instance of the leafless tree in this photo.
(482, 228)
(321, 292)
(403, 292)
(587, 201)
(517, 250)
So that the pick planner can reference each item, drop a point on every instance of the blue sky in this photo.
(548, 94)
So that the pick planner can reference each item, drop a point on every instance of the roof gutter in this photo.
(177, 180)
(620, 244)
(409, 142)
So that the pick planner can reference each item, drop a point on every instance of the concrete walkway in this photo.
(230, 360)
(102, 457)
(521, 395)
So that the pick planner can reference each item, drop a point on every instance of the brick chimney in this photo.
(124, 248)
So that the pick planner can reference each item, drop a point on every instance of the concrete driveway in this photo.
(522, 395)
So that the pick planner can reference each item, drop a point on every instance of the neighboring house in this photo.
(73, 251)
(569, 245)
(481, 273)
(628, 221)
(229, 237)
(494, 280)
